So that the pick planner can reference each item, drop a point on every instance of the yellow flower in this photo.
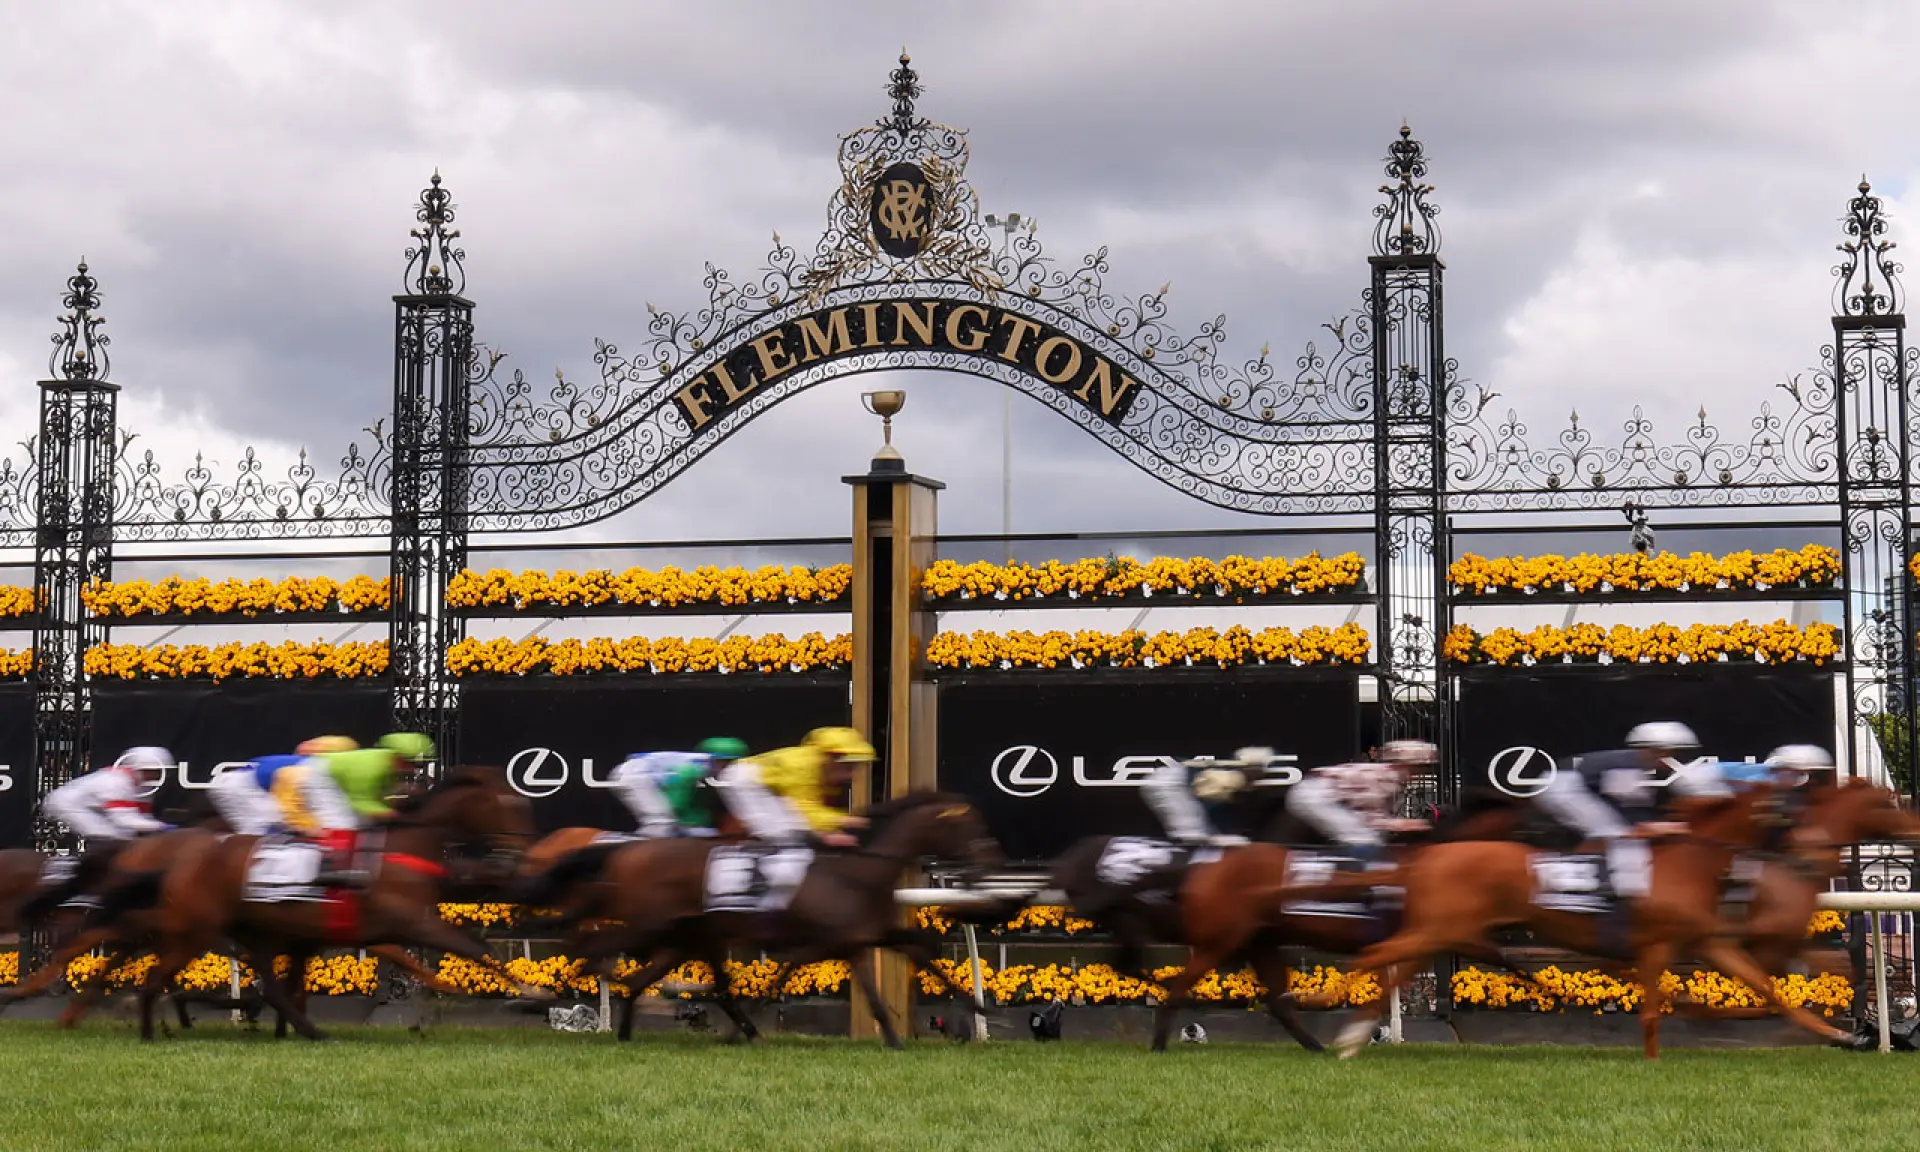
(1234, 580)
(1775, 643)
(1814, 566)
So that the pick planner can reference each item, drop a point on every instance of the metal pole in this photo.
(606, 1003)
(233, 983)
(1880, 985)
(1006, 470)
(979, 984)
(1393, 1019)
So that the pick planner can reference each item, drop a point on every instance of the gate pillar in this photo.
(895, 705)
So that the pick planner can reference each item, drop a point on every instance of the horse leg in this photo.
(422, 975)
(1400, 952)
(431, 932)
(1271, 968)
(277, 998)
(171, 961)
(650, 974)
(743, 1030)
(1729, 958)
(922, 951)
(863, 979)
(49, 973)
(93, 990)
(1179, 987)
(1650, 964)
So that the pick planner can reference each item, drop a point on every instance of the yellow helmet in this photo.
(321, 745)
(845, 743)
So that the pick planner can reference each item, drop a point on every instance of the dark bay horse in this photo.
(1457, 894)
(654, 893)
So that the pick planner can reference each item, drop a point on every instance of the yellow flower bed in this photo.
(763, 654)
(478, 915)
(1775, 643)
(1826, 922)
(640, 587)
(291, 660)
(1814, 566)
(176, 595)
(1233, 580)
(1236, 646)
(1100, 984)
(343, 975)
(15, 601)
(1553, 988)
(752, 980)
(16, 663)
(1038, 917)
(9, 968)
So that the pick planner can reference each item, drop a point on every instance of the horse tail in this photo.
(543, 889)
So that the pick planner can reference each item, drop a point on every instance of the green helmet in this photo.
(723, 748)
(409, 745)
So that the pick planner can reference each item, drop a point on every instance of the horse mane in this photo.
(881, 814)
(454, 780)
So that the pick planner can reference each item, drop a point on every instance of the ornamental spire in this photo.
(79, 347)
(434, 262)
(1405, 225)
(904, 86)
(1866, 282)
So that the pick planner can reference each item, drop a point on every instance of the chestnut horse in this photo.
(201, 897)
(1458, 893)
(655, 893)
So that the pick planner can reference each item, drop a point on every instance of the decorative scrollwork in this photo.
(79, 347)
(1405, 224)
(1866, 282)
(903, 85)
(197, 504)
(435, 264)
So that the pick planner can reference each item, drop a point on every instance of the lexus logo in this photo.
(1024, 770)
(1522, 772)
(537, 773)
(148, 792)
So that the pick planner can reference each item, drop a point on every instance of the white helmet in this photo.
(1662, 734)
(1800, 758)
(1409, 752)
(1254, 757)
(146, 761)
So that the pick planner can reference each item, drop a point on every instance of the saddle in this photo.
(754, 877)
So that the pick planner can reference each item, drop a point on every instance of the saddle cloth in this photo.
(58, 870)
(279, 872)
(1570, 882)
(1306, 867)
(1128, 861)
(613, 838)
(754, 877)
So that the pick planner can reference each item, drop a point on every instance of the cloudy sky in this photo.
(1640, 200)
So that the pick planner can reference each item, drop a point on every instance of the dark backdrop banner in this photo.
(1049, 762)
(206, 727)
(560, 743)
(1516, 730)
(17, 777)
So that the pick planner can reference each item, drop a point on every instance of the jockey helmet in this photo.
(1254, 757)
(146, 763)
(1662, 734)
(408, 745)
(321, 745)
(1216, 784)
(1800, 758)
(1409, 752)
(845, 743)
(723, 748)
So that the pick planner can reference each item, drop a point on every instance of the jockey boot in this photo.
(85, 874)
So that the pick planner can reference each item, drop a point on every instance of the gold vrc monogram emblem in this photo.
(902, 210)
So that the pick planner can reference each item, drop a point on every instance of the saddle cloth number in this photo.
(732, 875)
(58, 869)
(283, 872)
(1572, 875)
(1127, 859)
(1304, 868)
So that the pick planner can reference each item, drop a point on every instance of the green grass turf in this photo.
(510, 1091)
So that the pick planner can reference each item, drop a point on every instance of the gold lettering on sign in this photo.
(871, 312)
(902, 209)
(905, 317)
(1017, 332)
(970, 341)
(1110, 396)
(694, 402)
(814, 343)
(1044, 356)
(775, 360)
(734, 393)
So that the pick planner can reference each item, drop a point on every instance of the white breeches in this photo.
(84, 820)
(764, 815)
(1567, 800)
(1316, 803)
(247, 808)
(326, 803)
(1167, 793)
(634, 784)
(1630, 865)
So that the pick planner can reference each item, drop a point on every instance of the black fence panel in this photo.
(561, 742)
(18, 780)
(1517, 728)
(207, 727)
(1050, 760)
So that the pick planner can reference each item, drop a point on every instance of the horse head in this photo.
(1855, 810)
(473, 805)
(937, 824)
(1736, 821)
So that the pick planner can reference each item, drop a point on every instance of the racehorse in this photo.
(201, 897)
(655, 891)
(1458, 893)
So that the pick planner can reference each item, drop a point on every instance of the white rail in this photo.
(1870, 902)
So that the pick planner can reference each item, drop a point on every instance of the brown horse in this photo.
(201, 898)
(1457, 894)
(656, 892)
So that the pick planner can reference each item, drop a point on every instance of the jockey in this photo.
(247, 797)
(1181, 792)
(665, 790)
(1608, 794)
(105, 809)
(780, 796)
(1353, 805)
(341, 791)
